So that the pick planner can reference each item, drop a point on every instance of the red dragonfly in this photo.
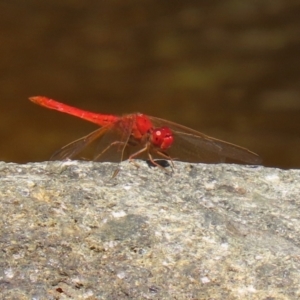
(135, 135)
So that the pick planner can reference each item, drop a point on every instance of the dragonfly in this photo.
(138, 135)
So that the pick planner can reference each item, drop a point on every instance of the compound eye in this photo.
(162, 137)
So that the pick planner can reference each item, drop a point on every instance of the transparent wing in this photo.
(72, 149)
(108, 143)
(193, 146)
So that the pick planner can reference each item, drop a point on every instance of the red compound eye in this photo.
(162, 137)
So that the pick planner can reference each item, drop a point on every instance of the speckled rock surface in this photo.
(69, 231)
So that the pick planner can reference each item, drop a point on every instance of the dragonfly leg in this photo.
(132, 156)
(116, 143)
(146, 149)
(166, 156)
(157, 164)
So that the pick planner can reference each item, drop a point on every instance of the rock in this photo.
(70, 231)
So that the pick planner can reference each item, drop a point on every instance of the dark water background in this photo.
(230, 69)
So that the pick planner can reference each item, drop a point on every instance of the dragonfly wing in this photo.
(210, 150)
(116, 146)
(72, 149)
(193, 146)
(111, 143)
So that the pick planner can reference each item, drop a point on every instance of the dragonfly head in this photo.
(162, 137)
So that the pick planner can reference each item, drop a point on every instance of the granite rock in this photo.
(71, 231)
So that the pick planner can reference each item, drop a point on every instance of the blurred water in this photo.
(229, 69)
